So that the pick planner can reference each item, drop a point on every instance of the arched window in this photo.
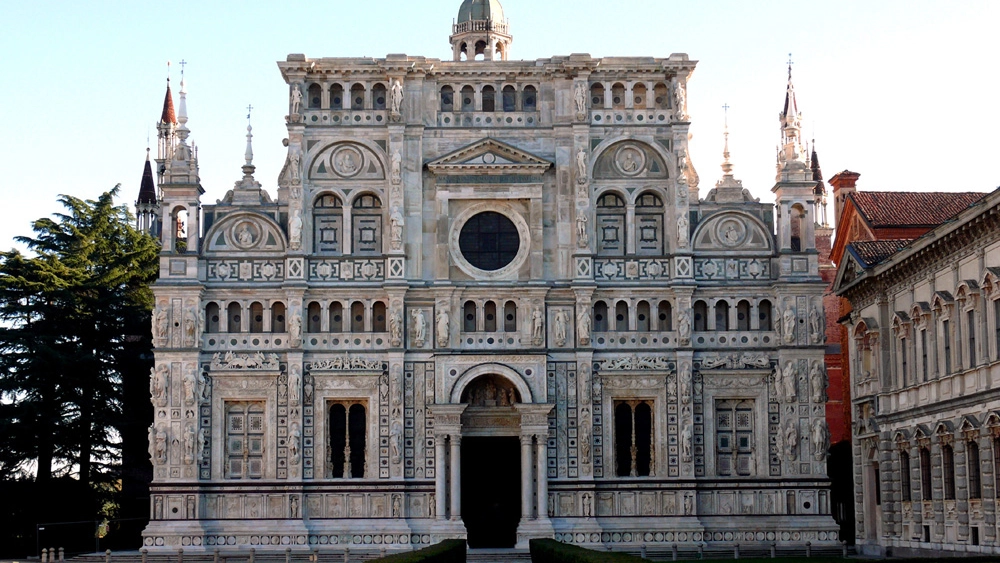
(447, 98)
(278, 317)
(797, 226)
(180, 224)
(489, 98)
(234, 314)
(480, 50)
(529, 98)
(490, 317)
(925, 474)
(336, 97)
(700, 316)
(904, 476)
(463, 52)
(600, 316)
(948, 471)
(621, 316)
(765, 315)
(348, 425)
(662, 96)
(634, 454)
(378, 317)
(469, 316)
(367, 219)
(468, 98)
(378, 96)
(314, 318)
(639, 96)
(642, 316)
(665, 316)
(510, 317)
(336, 317)
(721, 315)
(974, 470)
(597, 96)
(618, 96)
(256, 317)
(649, 225)
(610, 225)
(358, 96)
(328, 225)
(315, 96)
(509, 98)
(212, 317)
(357, 317)
(743, 315)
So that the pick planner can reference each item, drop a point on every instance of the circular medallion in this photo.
(731, 232)
(630, 161)
(245, 234)
(346, 162)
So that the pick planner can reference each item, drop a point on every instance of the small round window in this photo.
(489, 241)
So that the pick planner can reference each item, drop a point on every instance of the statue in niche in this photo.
(160, 445)
(189, 443)
(396, 442)
(443, 321)
(162, 324)
(294, 436)
(189, 382)
(582, 237)
(581, 167)
(202, 443)
(418, 332)
(685, 377)
(537, 326)
(295, 327)
(190, 324)
(788, 322)
(295, 230)
(684, 327)
(396, 166)
(160, 384)
(396, 223)
(588, 505)
(293, 507)
(815, 326)
(294, 384)
(779, 385)
(820, 439)
(294, 156)
(680, 101)
(560, 327)
(395, 329)
(397, 506)
(244, 235)
(683, 230)
(777, 323)
(396, 97)
(791, 441)
(158, 508)
(296, 99)
(686, 443)
(585, 439)
(583, 326)
(580, 98)
(818, 382)
(397, 391)
(688, 504)
(682, 164)
(789, 376)
(308, 393)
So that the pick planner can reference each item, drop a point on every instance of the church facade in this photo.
(486, 301)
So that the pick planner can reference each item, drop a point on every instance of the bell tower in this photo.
(480, 29)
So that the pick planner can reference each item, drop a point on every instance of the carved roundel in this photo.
(629, 160)
(347, 161)
(731, 232)
(245, 234)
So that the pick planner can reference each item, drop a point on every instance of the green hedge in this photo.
(448, 551)
(551, 551)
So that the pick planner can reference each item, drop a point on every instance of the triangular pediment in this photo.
(848, 272)
(489, 156)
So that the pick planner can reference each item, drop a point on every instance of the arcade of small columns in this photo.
(448, 459)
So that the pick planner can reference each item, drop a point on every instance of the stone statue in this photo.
(820, 439)
(443, 322)
(815, 326)
(560, 327)
(686, 443)
(585, 443)
(296, 99)
(295, 384)
(682, 164)
(245, 235)
(160, 445)
(396, 441)
(396, 97)
(580, 97)
(190, 325)
(294, 156)
(582, 237)
(791, 441)
(537, 326)
(583, 326)
(680, 101)
(189, 444)
(788, 322)
(581, 167)
(588, 505)
(295, 230)
(396, 223)
(788, 381)
(683, 230)
(295, 326)
(160, 384)
(777, 323)
(202, 443)
(293, 507)
(308, 392)
(396, 167)
(397, 506)
(189, 382)
(161, 326)
(688, 504)
(418, 332)
(395, 329)
(779, 385)
(294, 436)
(684, 327)
(818, 382)
(685, 377)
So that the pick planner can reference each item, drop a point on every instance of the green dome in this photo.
(479, 10)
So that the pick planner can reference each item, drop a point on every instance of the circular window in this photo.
(489, 241)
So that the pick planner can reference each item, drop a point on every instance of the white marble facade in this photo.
(464, 251)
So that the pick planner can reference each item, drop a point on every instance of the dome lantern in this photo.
(481, 30)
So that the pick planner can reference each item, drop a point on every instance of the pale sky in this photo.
(901, 91)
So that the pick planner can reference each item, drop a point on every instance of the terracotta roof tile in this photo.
(168, 115)
(911, 209)
(872, 252)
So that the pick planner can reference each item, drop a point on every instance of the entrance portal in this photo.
(491, 499)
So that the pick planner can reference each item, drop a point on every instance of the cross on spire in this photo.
(249, 110)
(182, 63)
(790, 63)
(725, 108)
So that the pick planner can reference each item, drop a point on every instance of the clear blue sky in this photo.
(901, 91)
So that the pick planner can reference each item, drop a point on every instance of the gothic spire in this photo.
(147, 190)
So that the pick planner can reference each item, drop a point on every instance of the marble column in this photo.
(526, 481)
(456, 477)
(440, 478)
(543, 481)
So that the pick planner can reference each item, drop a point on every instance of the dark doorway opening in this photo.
(491, 490)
